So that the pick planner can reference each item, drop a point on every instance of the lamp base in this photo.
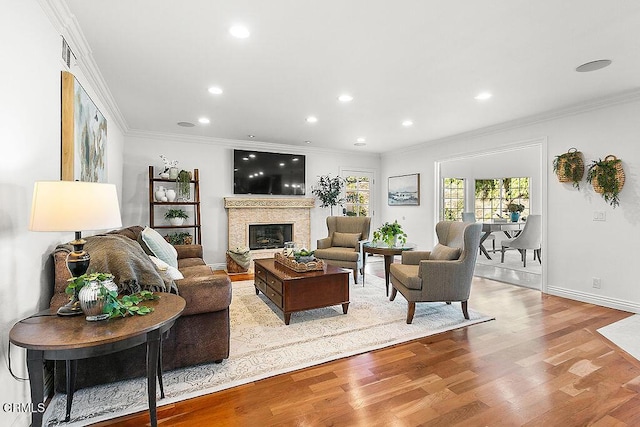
(72, 308)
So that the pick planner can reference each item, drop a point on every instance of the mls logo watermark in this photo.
(23, 407)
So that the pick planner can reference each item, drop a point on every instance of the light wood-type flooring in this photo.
(540, 363)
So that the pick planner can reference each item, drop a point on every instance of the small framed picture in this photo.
(404, 190)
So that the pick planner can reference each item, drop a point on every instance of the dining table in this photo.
(509, 228)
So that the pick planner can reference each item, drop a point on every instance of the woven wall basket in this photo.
(576, 159)
(617, 164)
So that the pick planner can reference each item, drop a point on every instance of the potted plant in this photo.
(329, 191)
(607, 178)
(391, 234)
(515, 209)
(183, 180)
(176, 216)
(569, 167)
(169, 166)
(182, 238)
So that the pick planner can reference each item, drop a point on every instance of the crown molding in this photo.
(65, 23)
(242, 144)
(572, 110)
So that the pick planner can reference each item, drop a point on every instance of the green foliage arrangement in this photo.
(387, 233)
(176, 213)
(329, 191)
(128, 305)
(179, 238)
(515, 207)
(114, 307)
(184, 184)
(607, 178)
(569, 167)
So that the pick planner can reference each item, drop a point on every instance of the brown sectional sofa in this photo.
(200, 335)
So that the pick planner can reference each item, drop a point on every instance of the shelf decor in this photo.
(569, 167)
(607, 178)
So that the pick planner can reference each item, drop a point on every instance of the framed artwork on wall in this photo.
(404, 190)
(84, 135)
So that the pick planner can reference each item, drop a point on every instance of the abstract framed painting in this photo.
(84, 135)
(404, 190)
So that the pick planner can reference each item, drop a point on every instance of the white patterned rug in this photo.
(263, 346)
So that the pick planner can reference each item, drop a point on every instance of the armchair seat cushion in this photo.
(338, 254)
(406, 274)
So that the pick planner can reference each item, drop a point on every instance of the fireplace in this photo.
(269, 236)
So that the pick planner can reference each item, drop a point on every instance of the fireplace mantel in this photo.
(268, 203)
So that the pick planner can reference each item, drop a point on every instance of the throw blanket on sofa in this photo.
(131, 267)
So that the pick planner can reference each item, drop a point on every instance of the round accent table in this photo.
(47, 336)
(387, 252)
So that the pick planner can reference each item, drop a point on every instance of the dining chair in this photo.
(471, 217)
(529, 238)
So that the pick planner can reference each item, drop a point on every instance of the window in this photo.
(357, 195)
(493, 196)
(452, 199)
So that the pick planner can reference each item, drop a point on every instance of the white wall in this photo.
(214, 160)
(577, 248)
(30, 138)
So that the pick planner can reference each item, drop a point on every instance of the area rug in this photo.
(263, 346)
(624, 334)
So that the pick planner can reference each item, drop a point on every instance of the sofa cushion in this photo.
(159, 247)
(203, 290)
(172, 272)
(345, 240)
(444, 253)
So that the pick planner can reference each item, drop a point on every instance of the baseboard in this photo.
(618, 304)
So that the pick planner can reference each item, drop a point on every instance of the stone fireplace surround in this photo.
(245, 211)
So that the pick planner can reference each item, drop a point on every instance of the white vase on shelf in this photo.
(160, 193)
(171, 194)
(173, 173)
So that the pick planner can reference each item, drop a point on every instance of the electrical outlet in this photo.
(599, 216)
(596, 282)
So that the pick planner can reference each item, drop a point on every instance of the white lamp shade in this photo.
(74, 206)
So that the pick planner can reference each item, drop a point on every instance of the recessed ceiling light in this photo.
(345, 98)
(251, 136)
(407, 123)
(593, 65)
(482, 96)
(204, 120)
(215, 90)
(308, 142)
(312, 119)
(186, 124)
(239, 31)
(361, 139)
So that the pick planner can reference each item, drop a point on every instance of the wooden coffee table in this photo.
(291, 291)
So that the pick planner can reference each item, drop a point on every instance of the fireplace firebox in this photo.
(269, 236)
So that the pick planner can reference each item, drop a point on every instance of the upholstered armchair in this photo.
(343, 246)
(529, 238)
(443, 274)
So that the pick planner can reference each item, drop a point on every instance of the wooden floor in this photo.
(540, 363)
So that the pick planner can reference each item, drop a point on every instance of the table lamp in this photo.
(74, 206)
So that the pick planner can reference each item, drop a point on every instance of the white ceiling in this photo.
(423, 60)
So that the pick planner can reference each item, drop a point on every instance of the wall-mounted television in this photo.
(257, 172)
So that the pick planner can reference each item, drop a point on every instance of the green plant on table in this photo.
(128, 305)
(515, 207)
(176, 213)
(76, 283)
(388, 232)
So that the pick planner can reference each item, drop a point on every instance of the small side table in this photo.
(47, 336)
(388, 252)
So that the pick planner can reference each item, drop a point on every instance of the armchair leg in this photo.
(524, 257)
(394, 292)
(465, 311)
(355, 276)
(410, 312)
(502, 258)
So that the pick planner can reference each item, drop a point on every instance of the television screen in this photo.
(256, 172)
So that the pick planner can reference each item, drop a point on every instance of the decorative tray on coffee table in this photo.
(300, 267)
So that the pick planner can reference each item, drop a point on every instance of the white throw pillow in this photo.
(172, 272)
(160, 247)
